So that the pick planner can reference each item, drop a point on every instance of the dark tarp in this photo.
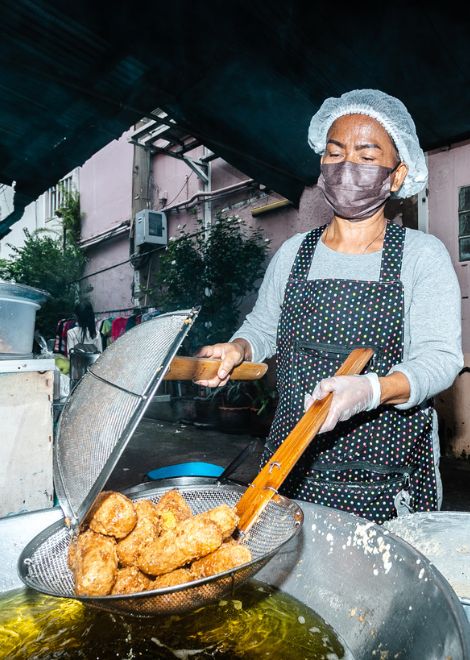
(243, 76)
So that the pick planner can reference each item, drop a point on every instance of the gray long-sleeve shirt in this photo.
(432, 323)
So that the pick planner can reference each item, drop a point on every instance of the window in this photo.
(464, 223)
(55, 196)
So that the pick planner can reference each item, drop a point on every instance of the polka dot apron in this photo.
(377, 464)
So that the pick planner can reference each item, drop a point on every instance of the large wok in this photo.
(381, 595)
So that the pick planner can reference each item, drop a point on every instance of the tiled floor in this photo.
(158, 443)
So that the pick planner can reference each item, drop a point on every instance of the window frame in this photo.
(460, 213)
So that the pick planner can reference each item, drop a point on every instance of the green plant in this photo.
(52, 263)
(70, 215)
(214, 268)
(264, 397)
(44, 263)
(235, 394)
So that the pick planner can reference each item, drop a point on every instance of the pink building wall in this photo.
(106, 187)
(448, 171)
(173, 178)
(106, 203)
(112, 289)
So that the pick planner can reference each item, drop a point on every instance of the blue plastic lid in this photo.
(193, 469)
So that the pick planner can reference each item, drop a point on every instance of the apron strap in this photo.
(303, 259)
(392, 253)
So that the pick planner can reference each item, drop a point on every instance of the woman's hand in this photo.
(231, 353)
(351, 395)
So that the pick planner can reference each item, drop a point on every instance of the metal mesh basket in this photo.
(43, 563)
(106, 406)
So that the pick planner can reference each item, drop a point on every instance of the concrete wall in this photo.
(448, 171)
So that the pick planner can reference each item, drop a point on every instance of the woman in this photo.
(359, 281)
(85, 332)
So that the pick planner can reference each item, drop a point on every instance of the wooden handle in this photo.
(273, 474)
(191, 368)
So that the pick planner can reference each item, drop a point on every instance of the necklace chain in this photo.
(373, 241)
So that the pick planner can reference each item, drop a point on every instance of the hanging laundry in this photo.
(58, 336)
(68, 325)
(105, 331)
(118, 327)
(60, 339)
(132, 321)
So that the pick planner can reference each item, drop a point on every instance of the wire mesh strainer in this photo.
(97, 422)
(103, 411)
(43, 562)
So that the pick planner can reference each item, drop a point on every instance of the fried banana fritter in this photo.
(172, 508)
(178, 576)
(146, 530)
(112, 514)
(190, 539)
(228, 556)
(95, 564)
(224, 516)
(129, 580)
(131, 547)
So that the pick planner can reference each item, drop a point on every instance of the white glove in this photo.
(351, 395)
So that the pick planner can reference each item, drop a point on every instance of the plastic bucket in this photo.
(18, 307)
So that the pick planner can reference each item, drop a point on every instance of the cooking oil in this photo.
(256, 622)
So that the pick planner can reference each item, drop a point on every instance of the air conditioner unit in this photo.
(150, 227)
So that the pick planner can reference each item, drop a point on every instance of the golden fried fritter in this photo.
(95, 564)
(130, 580)
(145, 531)
(228, 556)
(190, 539)
(172, 508)
(179, 576)
(112, 514)
(224, 516)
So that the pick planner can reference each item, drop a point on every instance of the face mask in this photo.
(355, 190)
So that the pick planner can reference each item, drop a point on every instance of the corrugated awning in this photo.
(243, 77)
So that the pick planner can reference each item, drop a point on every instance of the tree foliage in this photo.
(49, 262)
(216, 269)
(70, 215)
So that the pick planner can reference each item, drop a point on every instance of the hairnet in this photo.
(393, 116)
